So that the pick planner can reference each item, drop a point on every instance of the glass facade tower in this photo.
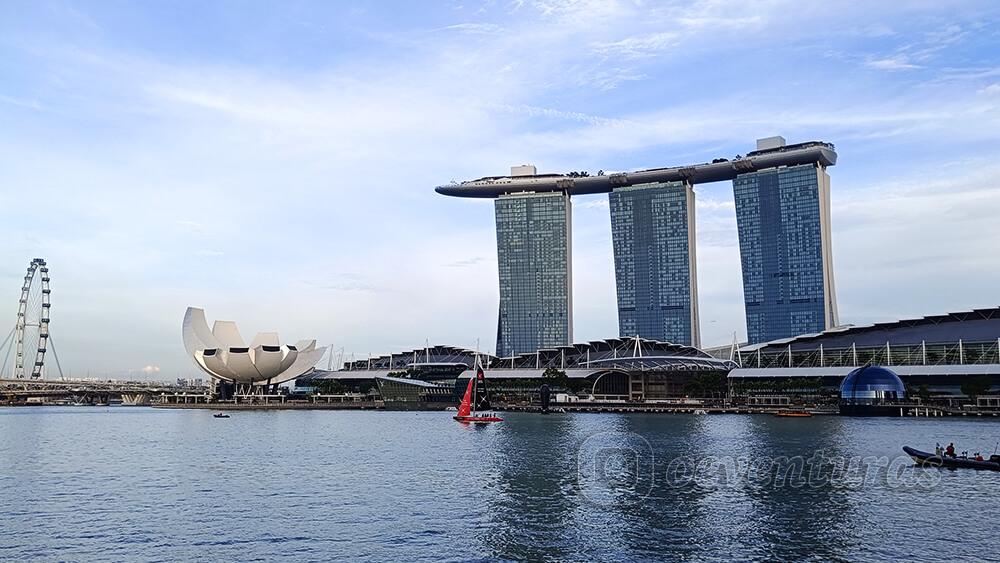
(652, 228)
(783, 220)
(535, 263)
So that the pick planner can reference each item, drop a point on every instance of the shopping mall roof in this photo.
(841, 371)
(977, 325)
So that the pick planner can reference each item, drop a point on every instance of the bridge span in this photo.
(93, 392)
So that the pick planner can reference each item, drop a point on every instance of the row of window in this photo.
(533, 254)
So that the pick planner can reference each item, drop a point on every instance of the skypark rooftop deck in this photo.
(717, 171)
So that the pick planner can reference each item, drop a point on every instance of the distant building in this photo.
(242, 368)
(534, 255)
(523, 170)
(872, 391)
(783, 214)
(938, 353)
(783, 219)
(653, 233)
(612, 370)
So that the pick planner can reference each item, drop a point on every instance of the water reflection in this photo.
(671, 516)
(531, 507)
(793, 519)
(546, 509)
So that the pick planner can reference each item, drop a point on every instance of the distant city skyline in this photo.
(222, 155)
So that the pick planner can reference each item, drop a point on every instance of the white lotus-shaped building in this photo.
(223, 354)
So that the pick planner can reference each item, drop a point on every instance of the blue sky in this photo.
(275, 162)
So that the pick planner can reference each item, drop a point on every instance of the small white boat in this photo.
(700, 411)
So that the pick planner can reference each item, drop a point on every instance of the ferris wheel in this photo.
(30, 337)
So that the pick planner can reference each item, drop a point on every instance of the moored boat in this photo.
(793, 414)
(927, 459)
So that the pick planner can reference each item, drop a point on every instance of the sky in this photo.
(274, 163)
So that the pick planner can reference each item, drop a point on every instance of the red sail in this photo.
(465, 409)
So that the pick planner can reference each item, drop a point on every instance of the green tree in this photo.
(924, 393)
(329, 387)
(556, 377)
(707, 385)
(975, 386)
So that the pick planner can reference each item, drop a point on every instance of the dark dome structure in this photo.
(871, 391)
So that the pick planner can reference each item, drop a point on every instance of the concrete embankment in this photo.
(905, 410)
(273, 406)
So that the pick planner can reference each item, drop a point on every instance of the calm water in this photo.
(124, 483)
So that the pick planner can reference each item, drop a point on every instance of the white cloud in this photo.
(592, 203)
(195, 226)
(29, 104)
(712, 205)
(464, 263)
(898, 62)
(534, 111)
(941, 215)
(639, 46)
(876, 30)
(991, 90)
(475, 28)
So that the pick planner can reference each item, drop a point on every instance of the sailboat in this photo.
(473, 400)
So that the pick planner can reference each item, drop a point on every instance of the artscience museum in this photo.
(245, 368)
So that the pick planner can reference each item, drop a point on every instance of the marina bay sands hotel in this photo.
(782, 197)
